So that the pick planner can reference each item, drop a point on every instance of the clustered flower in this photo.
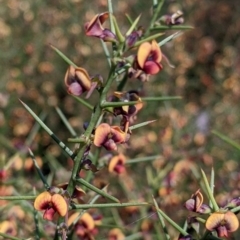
(51, 204)
(222, 222)
(144, 63)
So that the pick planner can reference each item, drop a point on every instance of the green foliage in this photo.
(171, 139)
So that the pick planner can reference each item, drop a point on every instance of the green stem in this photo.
(142, 159)
(145, 99)
(48, 130)
(156, 10)
(209, 192)
(94, 119)
(162, 221)
(123, 82)
(226, 139)
(64, 57)
(17, 198)
(236, 209)
(170, 38)
(212, 185)
(106, 51)
(34, 130)
(166, 98)
(66, 122)
(108, 205)
(176, 226)
(76, 140)
(110, 10)
(10, 237)
(97, 190)
(35, 214)
(46, 185)
(85, 103)
(201, 220)
(174, 27)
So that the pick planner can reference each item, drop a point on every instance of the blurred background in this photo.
(206, 75)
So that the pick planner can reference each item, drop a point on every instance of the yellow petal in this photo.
(88, 221)
(60, 204)
(116, 234)
(72, 218)
(143, 52)
(83, 78)
(101, 134)
(42, 201)
(156, 51)
(118, 135)
(232, 221)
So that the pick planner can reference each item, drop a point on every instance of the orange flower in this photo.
(94, 28)
(77, 80)
(149, 57)
(108, 136)
(195, 203)
(51, 204)
(222, 223)
(116, 234)
(8, 227)
(116, 164)
(84, 227)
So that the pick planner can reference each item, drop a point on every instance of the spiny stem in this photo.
(17, 198)
(65, 121)
(94, 119)
(97, 190)
(46, 185)
(109, 205)
(209, 192)
(83, 102)
(156, 10)
(48, 130)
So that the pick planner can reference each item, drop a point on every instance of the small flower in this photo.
(88, 165)
(109, 136)
(117, 164)
(195, 203)
(94, 28)
(222, 223)
(174, 19)
(146, 226)
(235, 202)
(78, 192)
(116, 234)
(8, 227)
(132, 110)
(51, 204)
(84, 227)
(149, 57)
(77, 80)
(132, 38)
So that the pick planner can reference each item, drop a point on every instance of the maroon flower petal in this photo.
(151, 67)
(49, 214)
